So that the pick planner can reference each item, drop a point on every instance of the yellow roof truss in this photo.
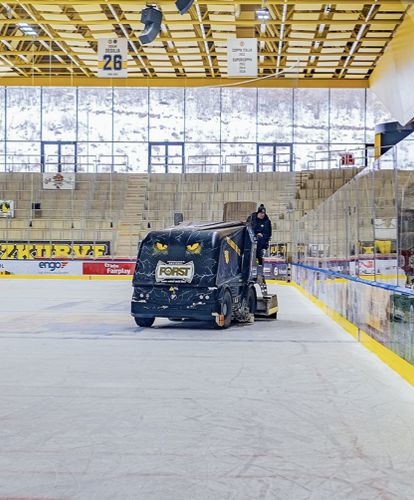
(305, 42)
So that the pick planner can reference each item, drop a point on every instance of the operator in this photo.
(262, 228)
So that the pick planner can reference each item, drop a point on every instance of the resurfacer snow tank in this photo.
(201, 271)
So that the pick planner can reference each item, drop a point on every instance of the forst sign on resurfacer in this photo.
(174, 271)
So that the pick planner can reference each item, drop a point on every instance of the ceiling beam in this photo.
(221, 3)
(83, 81)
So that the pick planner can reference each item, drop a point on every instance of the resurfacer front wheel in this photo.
(146, 322)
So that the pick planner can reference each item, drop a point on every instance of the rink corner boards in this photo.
(395, 362)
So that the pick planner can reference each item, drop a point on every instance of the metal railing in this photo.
(341, 158)
(54, 163)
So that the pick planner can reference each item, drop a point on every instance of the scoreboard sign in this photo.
(112, 58)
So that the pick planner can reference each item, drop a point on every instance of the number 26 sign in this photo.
(112, 58)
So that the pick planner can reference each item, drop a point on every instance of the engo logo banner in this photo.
(52, 265)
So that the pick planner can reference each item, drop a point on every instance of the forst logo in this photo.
(52, 265)
(173, 272)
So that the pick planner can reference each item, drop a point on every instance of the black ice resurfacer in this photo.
(200, 271)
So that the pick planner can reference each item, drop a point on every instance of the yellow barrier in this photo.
(395, 362)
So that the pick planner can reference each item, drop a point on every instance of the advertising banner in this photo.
(112, 58)
(40, 267)
(21, 250)
(7, 208)
(108, 268)
(58, 180)
(275, 270)
(242, 57)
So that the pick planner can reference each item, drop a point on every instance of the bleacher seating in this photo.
(121, 208)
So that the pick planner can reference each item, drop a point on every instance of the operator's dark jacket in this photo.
(263, 226)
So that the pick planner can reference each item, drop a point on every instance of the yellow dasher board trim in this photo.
(395, 362)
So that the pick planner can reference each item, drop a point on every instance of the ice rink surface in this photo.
(93, 407)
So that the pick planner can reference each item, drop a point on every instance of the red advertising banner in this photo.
(109, 268)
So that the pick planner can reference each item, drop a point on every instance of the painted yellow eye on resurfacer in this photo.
(161, 247)
(194, 248)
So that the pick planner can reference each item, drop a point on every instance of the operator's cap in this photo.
(261, 208)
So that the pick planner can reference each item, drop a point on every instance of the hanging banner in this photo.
(242, 57)
(7, 208)
(59, 181)
(21, 250)
(112, 58)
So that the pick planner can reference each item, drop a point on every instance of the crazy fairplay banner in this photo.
(21, 250)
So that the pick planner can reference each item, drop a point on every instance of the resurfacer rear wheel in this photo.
(251, 300)
(146, 322)
(226, 311)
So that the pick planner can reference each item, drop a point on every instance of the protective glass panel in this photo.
(2, 114)
(385, 315)
(135, 156)
(175, 158)
(68, 157)
(158, 158)
(283, 158)
(203, 157)
(404, 189)
(376, 113)
(51, 157)
(131, 114)
(365, 230)
(3, 166)
(23, 113)
(59, 113)
(266, 157)
(239, 157)
(238, 115)
(275, 115)
(347, 115)
(95, 156)
(95, 114)
(22, 156)
(310, 156)
(311, 115)
(166, 114)
(202, 114)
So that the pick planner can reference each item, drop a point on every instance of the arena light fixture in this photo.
(263, 14)
(151, 17)
(183, 5)
(26, 29)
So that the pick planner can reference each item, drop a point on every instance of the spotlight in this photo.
(26, 29)
(152, 19)
(263, 14)
(183, 5)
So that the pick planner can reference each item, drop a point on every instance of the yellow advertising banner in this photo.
(20, 250)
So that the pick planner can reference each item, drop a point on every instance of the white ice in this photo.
(92, 407)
